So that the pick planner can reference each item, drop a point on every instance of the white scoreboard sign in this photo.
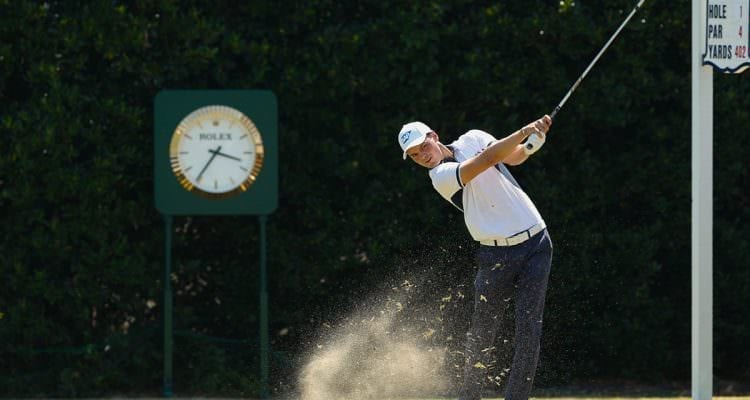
(727, 39)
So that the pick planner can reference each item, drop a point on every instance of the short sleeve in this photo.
(446, 179)
(481, 138)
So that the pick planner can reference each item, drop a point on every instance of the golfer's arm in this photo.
(495, 153)
(517, 157)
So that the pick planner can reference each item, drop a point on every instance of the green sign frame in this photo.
(171, 107)
(175, 194)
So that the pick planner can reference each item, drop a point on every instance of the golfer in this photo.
(515, 251)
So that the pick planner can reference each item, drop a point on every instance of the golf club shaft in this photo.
(578, 81)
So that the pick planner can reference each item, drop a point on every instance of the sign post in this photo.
(702, 213)
(720, 42)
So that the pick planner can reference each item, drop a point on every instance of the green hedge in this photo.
(82, 245)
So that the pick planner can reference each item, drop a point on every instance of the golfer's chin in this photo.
(433, 163)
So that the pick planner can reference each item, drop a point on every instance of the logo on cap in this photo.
(405, 137)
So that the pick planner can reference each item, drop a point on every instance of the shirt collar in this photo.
(450, 158)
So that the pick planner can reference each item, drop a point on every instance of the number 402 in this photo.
(740, 51)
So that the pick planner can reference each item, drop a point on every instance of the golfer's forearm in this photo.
(501, 149)
(492, 155)
(518, 156)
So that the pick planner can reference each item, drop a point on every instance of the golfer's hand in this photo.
(537, 135)
(542, 124)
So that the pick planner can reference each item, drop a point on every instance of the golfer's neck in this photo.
(445, 151)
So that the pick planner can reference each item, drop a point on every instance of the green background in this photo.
(82, 244)
(170, 107)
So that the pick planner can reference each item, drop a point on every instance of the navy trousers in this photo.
(520, 273)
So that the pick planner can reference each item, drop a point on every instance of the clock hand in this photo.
(219, 153)
(213, 155)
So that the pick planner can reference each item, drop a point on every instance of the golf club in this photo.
(535, 139)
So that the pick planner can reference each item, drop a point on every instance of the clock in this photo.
(216, 152)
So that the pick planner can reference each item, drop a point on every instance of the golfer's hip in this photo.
(516, 238)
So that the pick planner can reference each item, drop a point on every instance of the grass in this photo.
(586, 397)
(589, 397)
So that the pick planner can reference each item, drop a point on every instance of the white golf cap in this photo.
(412, 134)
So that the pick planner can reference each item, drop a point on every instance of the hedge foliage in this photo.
(82, 245)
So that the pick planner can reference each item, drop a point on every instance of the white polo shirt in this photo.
(493, 203)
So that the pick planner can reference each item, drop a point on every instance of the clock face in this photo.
(216, 152)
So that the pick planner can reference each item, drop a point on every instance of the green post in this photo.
(173, 199)
(168, 307)
(264, 344)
